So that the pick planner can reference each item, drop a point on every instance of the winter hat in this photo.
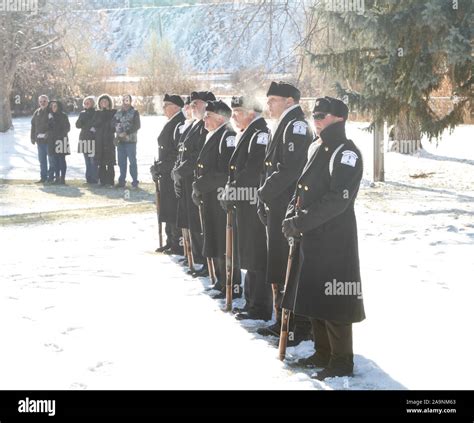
(202, 95)
(246, 102)
(219, 107)
(60, 105)
(331, 105)
(175, 99)
(282, 89)
(90, 97)
(188, 100)
(106, 96)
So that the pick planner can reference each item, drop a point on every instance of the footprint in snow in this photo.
(409, 231)
(71, 329)
(54, 347)
(78, 385)
(99, 365)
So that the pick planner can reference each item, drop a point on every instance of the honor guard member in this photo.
(325, 285)
(245, 169)
(161, 171)
(181, 210)
(183, 172)
(285, 157)
(211, 177)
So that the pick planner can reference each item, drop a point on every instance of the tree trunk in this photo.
(379, 166)
(407, 134)
(5, 110)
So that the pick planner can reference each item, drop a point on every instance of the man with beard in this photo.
(285, 157)
(211, 176)
(161, 171)
(183, 172)
(245, 167)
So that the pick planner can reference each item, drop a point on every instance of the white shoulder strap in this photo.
(251, 139)
(331, 161)
(220, 142)
(286, 127)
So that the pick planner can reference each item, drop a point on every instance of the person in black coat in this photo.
(58, 142)
(245, 167)
(211, 177)
(284, 159)
(325, 282)
(182, 221)
(161, 171)
(86, 146)
(183, 172)
(104, 140)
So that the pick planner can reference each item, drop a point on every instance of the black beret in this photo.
(219, 107)
(246, 103)
(331, 105)
(283, 89)
(202, 95)
(175, 99)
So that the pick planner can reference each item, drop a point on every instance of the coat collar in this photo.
(334, 134)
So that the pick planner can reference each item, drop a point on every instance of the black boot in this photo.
(273, 330)
(162, 249)
(339, 367)
(318, 360)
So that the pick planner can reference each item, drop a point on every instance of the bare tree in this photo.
(24, 35)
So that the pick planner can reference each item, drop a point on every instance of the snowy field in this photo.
(86, 304)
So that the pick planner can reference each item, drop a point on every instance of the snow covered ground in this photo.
(86, 304)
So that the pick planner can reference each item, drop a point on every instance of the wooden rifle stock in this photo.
(157, 200)
(285, 313)
(229, 264)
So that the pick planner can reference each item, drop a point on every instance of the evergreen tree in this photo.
(393, 55)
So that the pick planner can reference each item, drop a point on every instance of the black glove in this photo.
(196, 195)
(175, 176)
(289, 228)
(33, 141)
(227, 204)
(154, 173)
(178, 191)
(197, 198)
(262, 214)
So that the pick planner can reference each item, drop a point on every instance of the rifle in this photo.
(229, 263)
(210, 263)
(285, 313)
(188, 248)
(157, 201)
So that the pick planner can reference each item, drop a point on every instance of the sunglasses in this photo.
(319, 116)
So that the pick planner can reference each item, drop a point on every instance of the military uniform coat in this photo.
(181, 198)
(185, 167)
(212, 166)
(244, 172)
(328, 250)
(168, 151)
(285, 157)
